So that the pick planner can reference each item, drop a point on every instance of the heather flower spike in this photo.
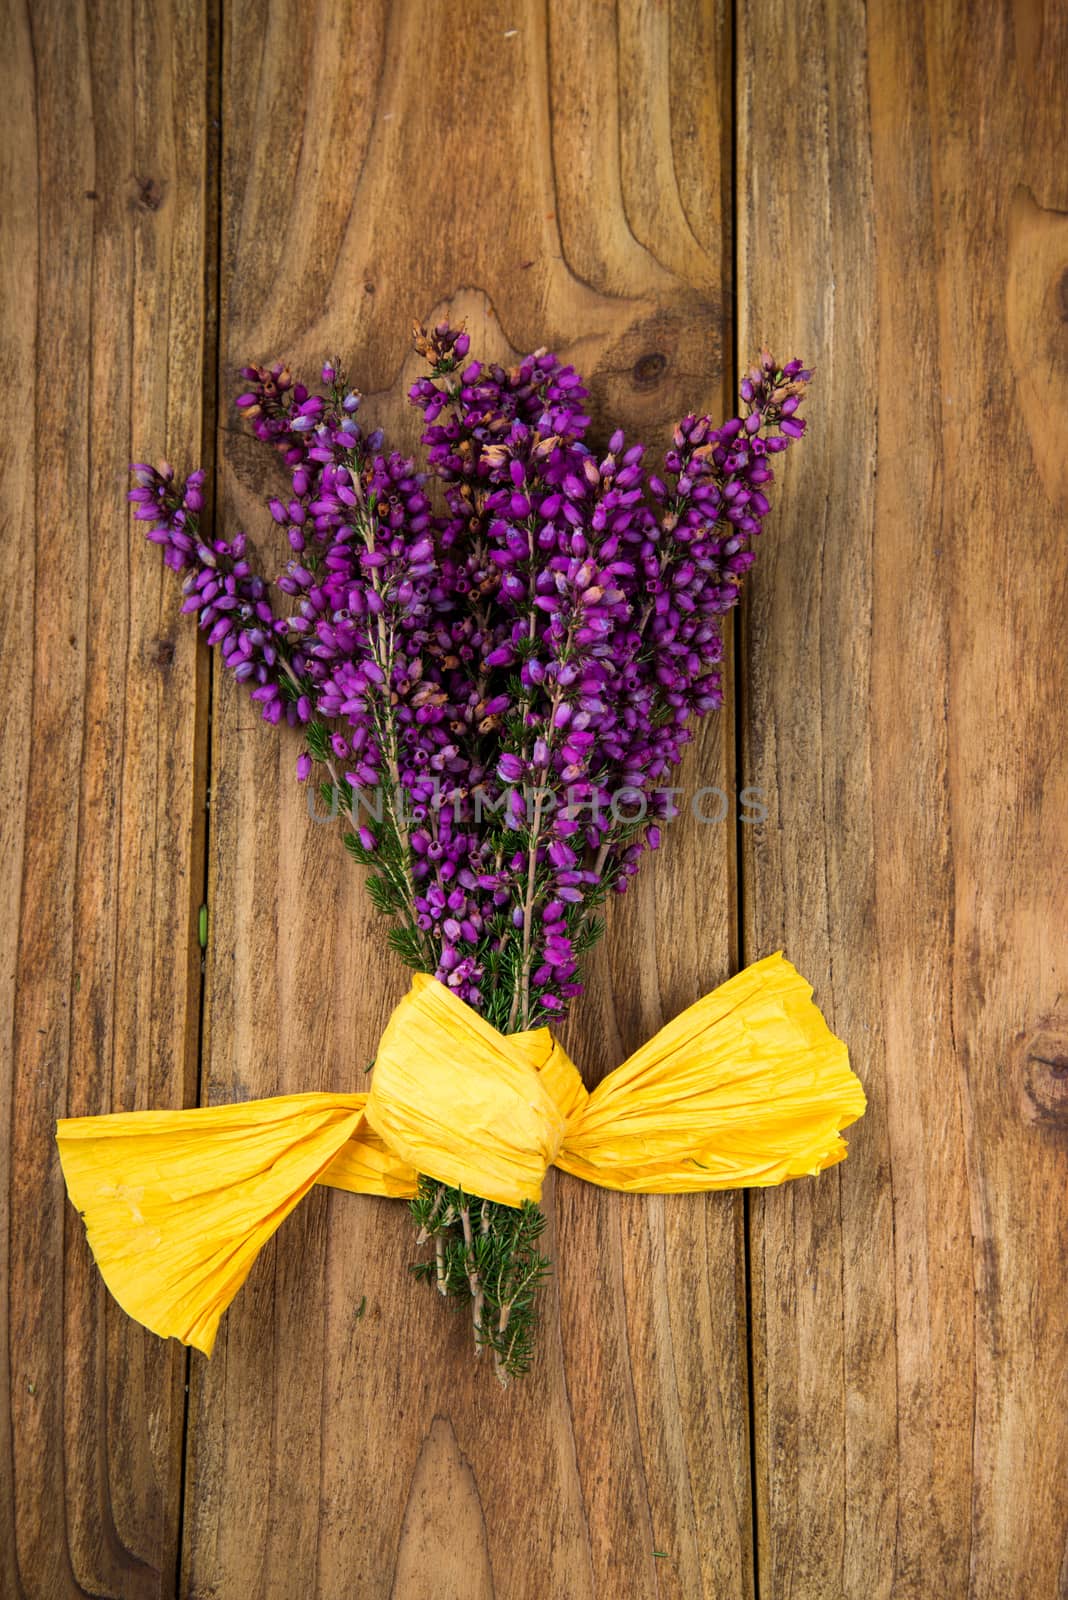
(504, 672)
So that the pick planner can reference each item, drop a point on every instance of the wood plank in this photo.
(903, 224)
(554, 181)
(105, 221)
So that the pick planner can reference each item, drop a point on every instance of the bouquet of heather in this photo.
(494, 680)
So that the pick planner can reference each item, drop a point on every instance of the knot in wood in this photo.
(1044, 1076)
(648, 370)
(149, 195)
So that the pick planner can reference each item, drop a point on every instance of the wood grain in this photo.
(902, 223)
(104, 214)
(573, 174)
(555, 179)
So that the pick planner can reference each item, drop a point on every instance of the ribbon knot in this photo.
(748, 1087)
(478, 1109)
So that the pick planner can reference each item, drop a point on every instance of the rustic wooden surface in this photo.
(104, 335)
(905, 707)
(850, 1387)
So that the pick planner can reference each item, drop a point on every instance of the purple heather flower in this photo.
(504, 667)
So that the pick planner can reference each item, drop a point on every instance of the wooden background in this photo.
(854, 1386)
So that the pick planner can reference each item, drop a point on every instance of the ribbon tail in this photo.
(178, 1204)
(747, 1088)
(366, 1165)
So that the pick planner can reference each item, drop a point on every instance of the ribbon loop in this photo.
(746, 1088)
(178, 1204)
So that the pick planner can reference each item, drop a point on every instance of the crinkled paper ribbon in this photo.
(746, 1088)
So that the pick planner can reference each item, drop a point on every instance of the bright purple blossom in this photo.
(508, 682)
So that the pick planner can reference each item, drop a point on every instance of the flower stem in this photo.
(474, 1282)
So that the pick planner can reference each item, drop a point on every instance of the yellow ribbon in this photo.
(746, 1088)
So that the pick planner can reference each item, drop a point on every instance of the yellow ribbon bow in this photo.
(748, 1087)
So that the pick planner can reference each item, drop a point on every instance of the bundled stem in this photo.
(485, 1256)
